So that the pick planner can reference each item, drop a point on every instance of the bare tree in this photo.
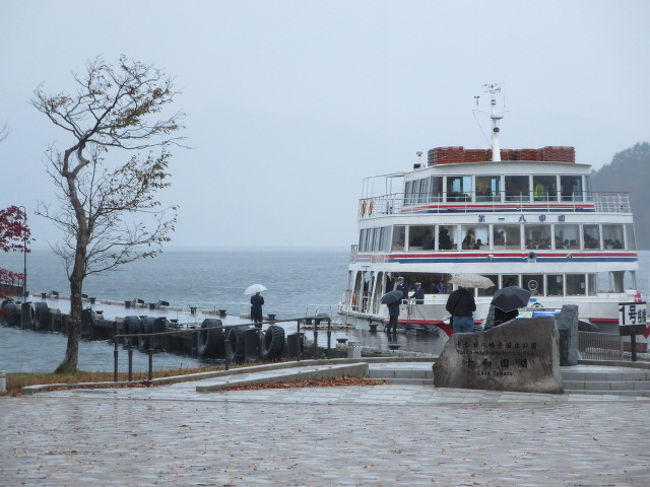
(109, 176)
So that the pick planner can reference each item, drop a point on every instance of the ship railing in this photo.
(400, 203)
(130, 338)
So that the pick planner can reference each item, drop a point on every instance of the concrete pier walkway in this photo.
(384, 435)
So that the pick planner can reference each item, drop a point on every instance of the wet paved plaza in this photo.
(371, 436)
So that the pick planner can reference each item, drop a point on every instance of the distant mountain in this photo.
(629, 172)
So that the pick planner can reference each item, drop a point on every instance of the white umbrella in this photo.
(471, 280)
(255, 288)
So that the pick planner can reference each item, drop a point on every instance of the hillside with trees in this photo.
(629, 172)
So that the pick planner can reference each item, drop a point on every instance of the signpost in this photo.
(632, 322)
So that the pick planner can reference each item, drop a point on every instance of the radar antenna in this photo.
(495, 115)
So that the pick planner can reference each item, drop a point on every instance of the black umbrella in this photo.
(392, 297)
(510, 298)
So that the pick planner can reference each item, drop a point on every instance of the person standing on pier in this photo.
(461, 306)
(256, 308)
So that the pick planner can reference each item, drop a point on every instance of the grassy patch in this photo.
(15, 382)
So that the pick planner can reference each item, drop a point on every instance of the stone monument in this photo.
(520, 355)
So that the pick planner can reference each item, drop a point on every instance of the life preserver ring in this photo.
(363, 208)
(370, 207)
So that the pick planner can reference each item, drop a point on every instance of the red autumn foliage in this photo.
(330, 382)
(14, 235)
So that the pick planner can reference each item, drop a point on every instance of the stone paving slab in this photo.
(85, 440)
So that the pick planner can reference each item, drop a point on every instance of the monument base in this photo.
(521, 355)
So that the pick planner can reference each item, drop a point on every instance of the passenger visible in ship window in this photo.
(469, 241)
(478, 244)
(428, 241)
(538, 192)
(617, 244)
(442, 287)
(445, 240)
(558, 242)
(418, 294)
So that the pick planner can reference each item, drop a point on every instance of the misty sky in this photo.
(291, 103)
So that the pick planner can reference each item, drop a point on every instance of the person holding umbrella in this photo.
(256, 302)
(256, 308)
(461, 306)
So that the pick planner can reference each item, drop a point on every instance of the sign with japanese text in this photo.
(632, 314)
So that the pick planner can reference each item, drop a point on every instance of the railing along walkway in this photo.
(129, 338)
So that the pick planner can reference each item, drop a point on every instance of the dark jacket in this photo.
(461, 303)
(256, 304)
(418, 295)
(402, 287)
(393, 309)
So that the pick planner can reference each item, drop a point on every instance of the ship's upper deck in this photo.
(487, 187)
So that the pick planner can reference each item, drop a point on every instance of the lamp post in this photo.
(24, 255)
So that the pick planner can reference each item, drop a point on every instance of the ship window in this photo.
(534, 283)
(491, 290)
(544, 188)
(475, 237)
(376, 239)
(507, 237)
(592, 280)
(459, 188)
(517, 188)
(488, 188)
(368, 240)
(571, 188)
(415, 188)
(591, 236)
(509, 280)
(537, 236)
(398, 237)
(425, 190)
(362, 241)
(567, 236)
(613, 236)
(447, 237)
(421, 237)
(588, 194)
(630, 240)
(575, 285)
(408, 193)
(554, 285)
(436, 188)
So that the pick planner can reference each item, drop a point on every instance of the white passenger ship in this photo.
(526, 217)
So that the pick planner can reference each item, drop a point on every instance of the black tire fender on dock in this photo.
(159, 325)
(10, 313)
(144, 343)
(210, 342)
(272, 343)
(234, 350)
(132, 326)
(41, 315)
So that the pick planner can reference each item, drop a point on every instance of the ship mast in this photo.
(495, 116)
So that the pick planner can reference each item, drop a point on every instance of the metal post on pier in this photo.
(329, 336)
(299, 339)
(226, 348)
(150, 352)
(130, 353)
(115, 355)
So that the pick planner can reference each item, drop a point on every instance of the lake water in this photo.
(297, 280)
